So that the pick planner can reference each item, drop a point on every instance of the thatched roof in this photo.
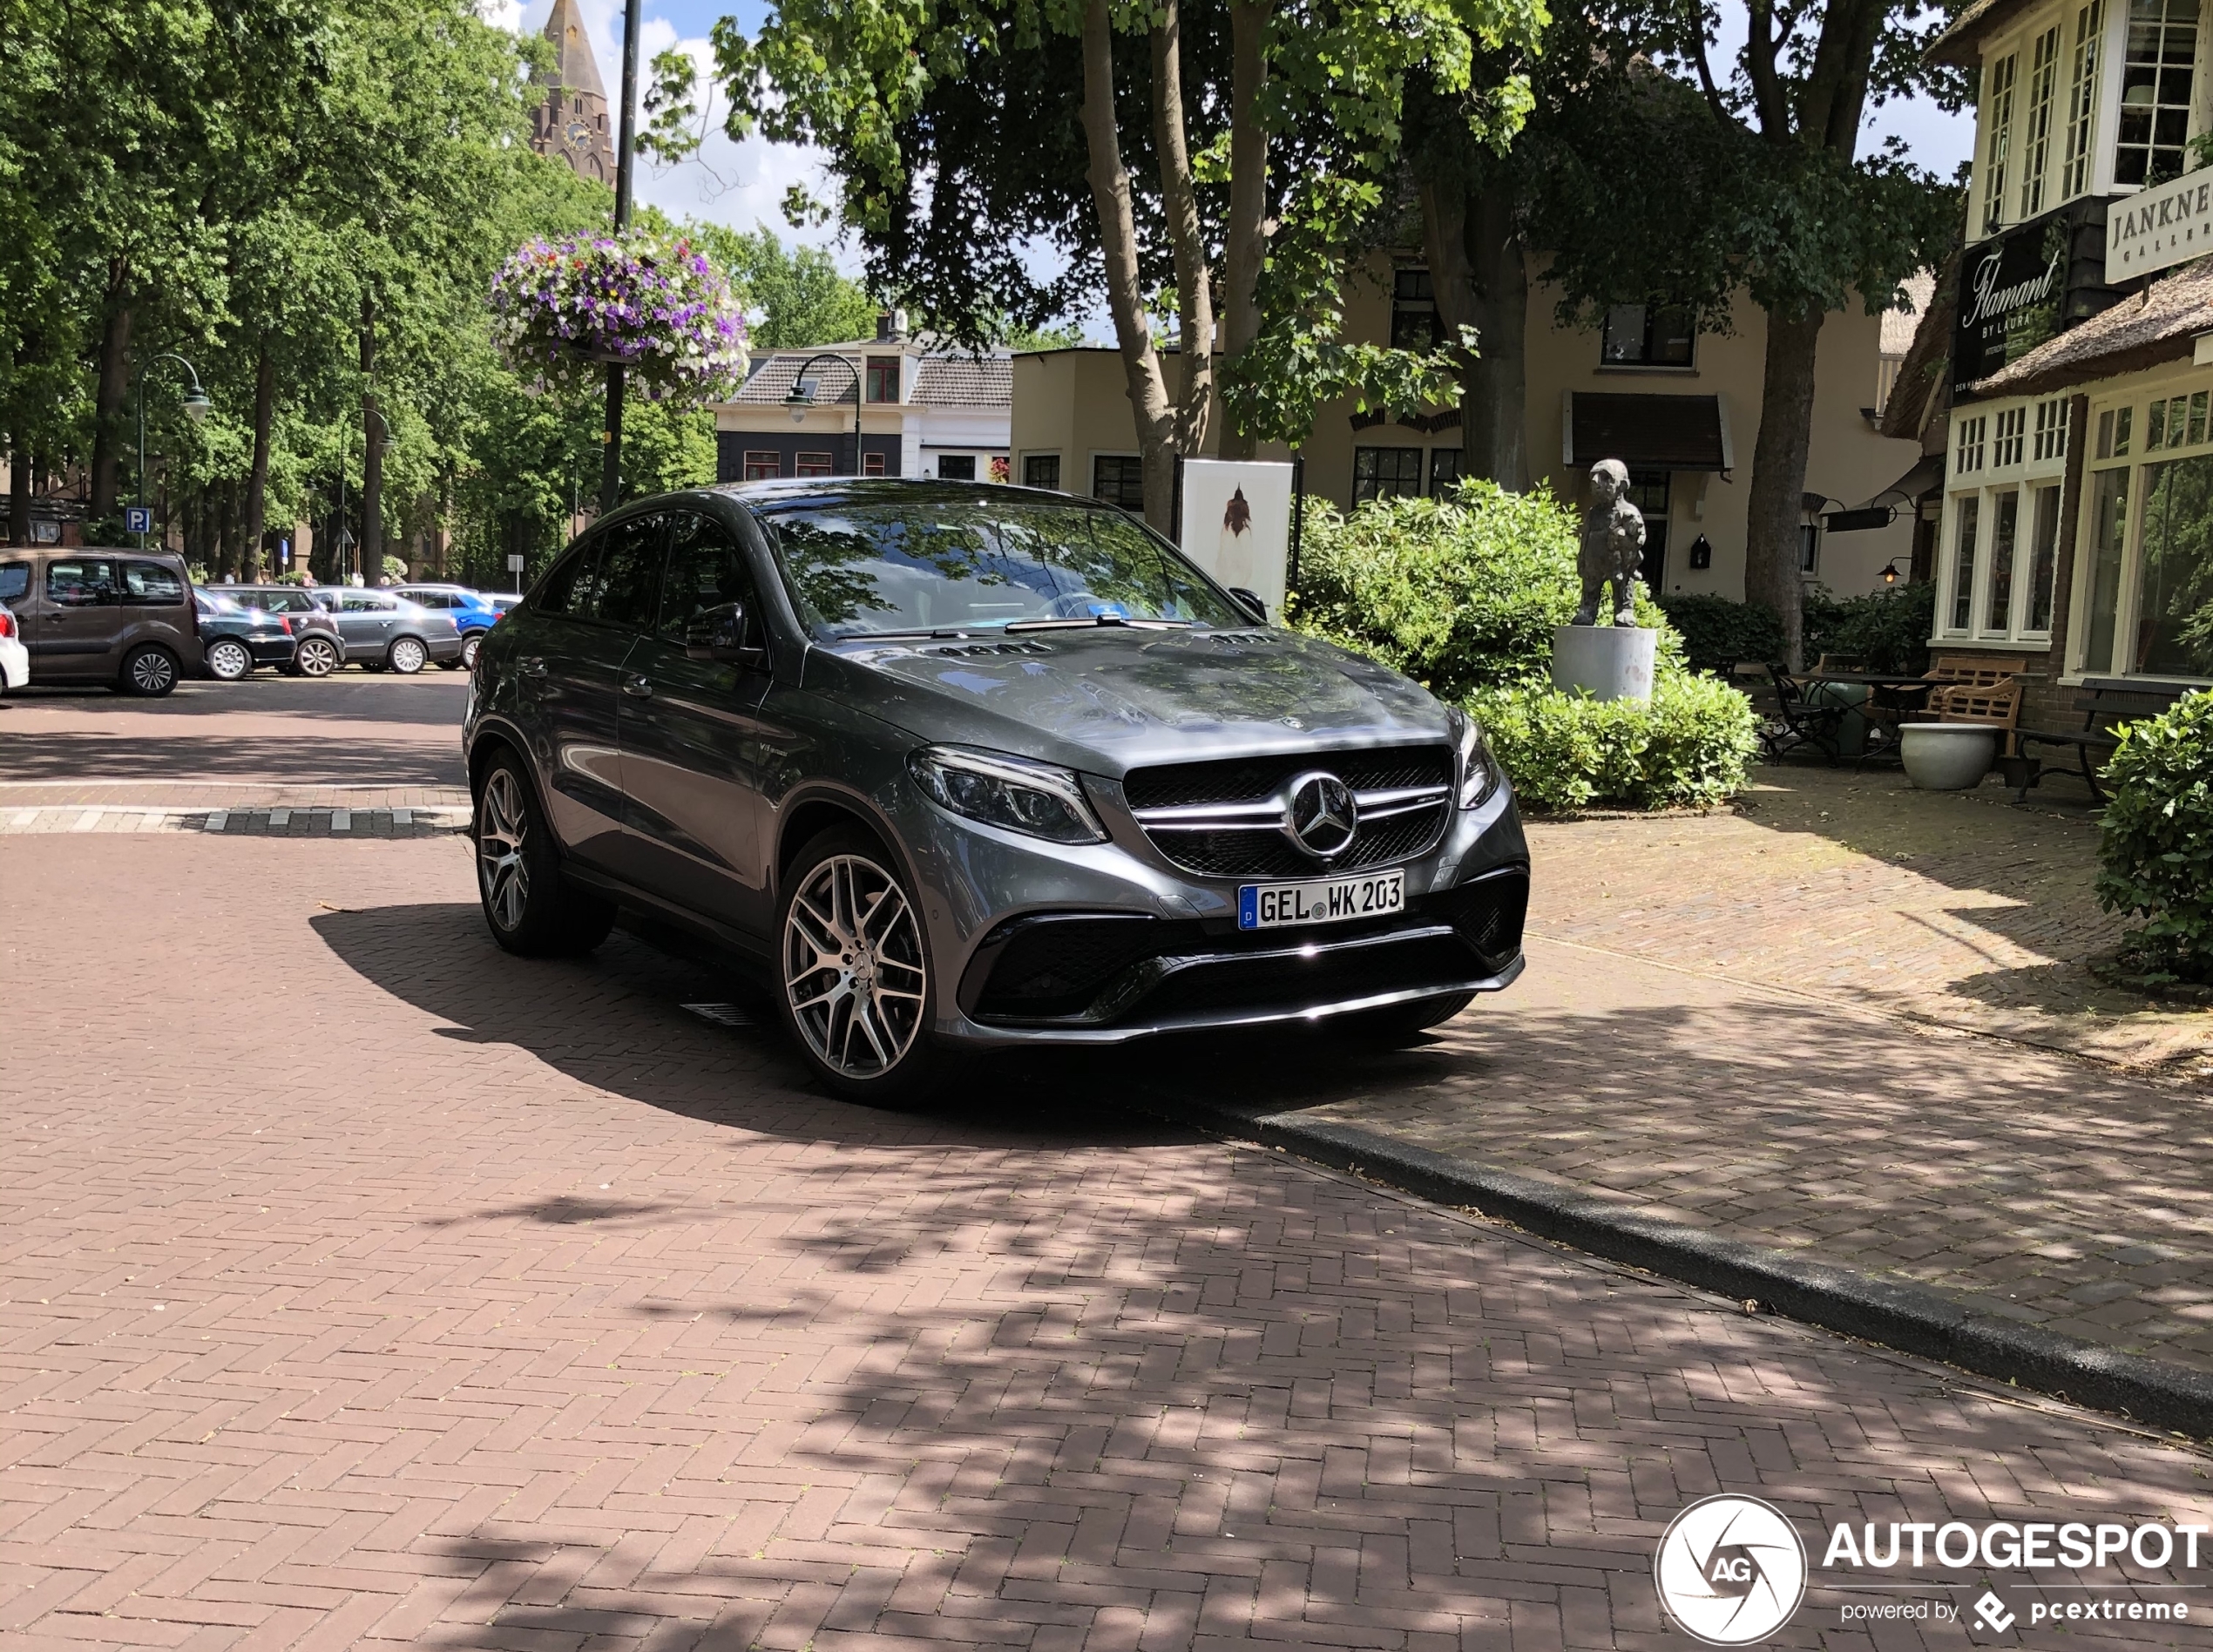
(2159, 325)
(1922, 387)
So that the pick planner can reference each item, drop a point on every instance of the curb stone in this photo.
(1909, 1319)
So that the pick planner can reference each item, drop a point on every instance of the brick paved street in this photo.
(363, 1286)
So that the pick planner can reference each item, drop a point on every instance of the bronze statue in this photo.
(1612, 546)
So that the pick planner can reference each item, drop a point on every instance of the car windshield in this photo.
(868, 568)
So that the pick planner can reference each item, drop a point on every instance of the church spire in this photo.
(573, 122)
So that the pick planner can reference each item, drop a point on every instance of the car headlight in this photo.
(1479, 772)
(1036, 799)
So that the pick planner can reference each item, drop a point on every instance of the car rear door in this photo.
(691, 742)
(157, 608)
(76, 619)
(568, 658)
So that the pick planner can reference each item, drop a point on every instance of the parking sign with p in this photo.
(137, 518)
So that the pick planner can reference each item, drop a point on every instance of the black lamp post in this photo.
(196, 405)
(611, 473)
(802, 398)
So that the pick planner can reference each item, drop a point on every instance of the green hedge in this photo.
(1885, 630)
(1464, 595)
(2155, 842)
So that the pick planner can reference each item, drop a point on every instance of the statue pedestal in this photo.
(1607, 662)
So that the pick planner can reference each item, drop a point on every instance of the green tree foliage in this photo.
(2156, 841)
(793, 295)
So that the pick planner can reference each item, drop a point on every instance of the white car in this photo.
(15, 659)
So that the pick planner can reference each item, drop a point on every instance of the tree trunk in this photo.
(1110, 193)
(111, 389)
(257, 481)
(372, 540)
(225, 559)
(20, 465)
(1179, 204)
(1245, 236)
(1494, 400)
(1778, 501)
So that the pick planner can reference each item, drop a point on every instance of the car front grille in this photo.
(1225, 819)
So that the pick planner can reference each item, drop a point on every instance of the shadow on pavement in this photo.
(191, 754)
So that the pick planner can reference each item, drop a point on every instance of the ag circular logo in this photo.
(1323, 815)
(1731, 1570)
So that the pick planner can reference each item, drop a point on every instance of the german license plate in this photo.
(1263, 906)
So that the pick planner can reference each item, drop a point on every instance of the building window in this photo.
(762, 467)
(2036, 145)
(1649, 491)
(1997, 121)
(884, 378)
(1119, 479)
(1647, 335)
(2081, 101)
(2011, 442)
(1413, 311)
(1808, 548)
(2005, 521)
(871, 464)
(2156, 91)
(2177, 422)
(813, 465)
(1384, 473)
(2175, 565)
(1041, 471)
(1966, 517)
(2051, 428)
(1444, 470)
(2108, 530)
(2043, 556)
(2113, 433)
(956, 467)
(1968, 453)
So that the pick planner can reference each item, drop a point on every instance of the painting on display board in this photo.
(1236, 523)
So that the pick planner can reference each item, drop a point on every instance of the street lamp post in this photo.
(611, 473)
(802, 398)
(196, 406)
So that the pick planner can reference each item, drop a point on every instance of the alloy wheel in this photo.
(853, 967)
(151, 672)
(469, 653)
(502, 873)
(317, 658)
(229, 660)
(408, 656)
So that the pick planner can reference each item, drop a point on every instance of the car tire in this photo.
(229, 659)
(470, 644)
(1398, 1024)
(853, 979)
(530, 908)
(407, 655)
(316, 657)
(149, 672)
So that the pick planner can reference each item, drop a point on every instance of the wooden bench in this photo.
(1970, 691)
(2104, 702)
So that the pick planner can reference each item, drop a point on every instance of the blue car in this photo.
(472, 611)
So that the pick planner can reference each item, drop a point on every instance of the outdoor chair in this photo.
(1996, 703)
(1800, 720)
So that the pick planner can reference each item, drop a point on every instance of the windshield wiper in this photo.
(898, 636)
(1095, 621)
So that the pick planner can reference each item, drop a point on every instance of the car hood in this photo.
(1113, 700)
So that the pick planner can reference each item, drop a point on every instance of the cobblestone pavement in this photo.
(363, 1286)
(1955, 907)
(236, 822)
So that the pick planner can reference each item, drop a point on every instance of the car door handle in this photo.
(531, 666)
(640, 687)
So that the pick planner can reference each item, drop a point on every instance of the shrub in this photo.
(1885, 630)
(1717, 633)
(1464, 595)
(2155, 845)
(1687, 747)
(1459, 594)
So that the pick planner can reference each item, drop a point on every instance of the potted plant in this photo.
(562, 309)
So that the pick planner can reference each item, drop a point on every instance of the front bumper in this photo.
(1035, 943)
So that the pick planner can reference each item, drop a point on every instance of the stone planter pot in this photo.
(1947, 756)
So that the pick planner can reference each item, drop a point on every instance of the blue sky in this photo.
(743, 185)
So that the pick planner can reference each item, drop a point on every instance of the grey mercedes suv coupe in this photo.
(959, 766)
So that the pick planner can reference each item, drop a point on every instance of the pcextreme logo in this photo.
(1731, 1570)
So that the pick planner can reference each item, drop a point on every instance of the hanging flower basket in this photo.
(563, 310)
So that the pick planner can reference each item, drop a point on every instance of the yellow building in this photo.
(1681, 410)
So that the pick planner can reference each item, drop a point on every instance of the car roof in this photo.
(788, 493)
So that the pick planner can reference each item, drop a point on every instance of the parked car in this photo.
(122, 617)
(473, 614)
(15, 659)
(383, 632)
(960, 768)
(316, 649)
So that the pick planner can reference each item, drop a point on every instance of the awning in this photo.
(1646, 432)
(1927, 472)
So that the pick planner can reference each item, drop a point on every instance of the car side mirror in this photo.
(720, 634)
(1250, 602)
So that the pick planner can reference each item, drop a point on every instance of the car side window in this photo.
(360, 602)
(572, 587)
(150, 584)
(707, 570)
(15, 580)
(81, 582)
(629, 572)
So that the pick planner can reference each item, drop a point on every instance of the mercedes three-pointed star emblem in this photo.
(1321, 815)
